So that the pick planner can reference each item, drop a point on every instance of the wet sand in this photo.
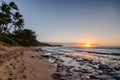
(18, 63)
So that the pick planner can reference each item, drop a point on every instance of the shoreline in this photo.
(24, 64)
(70, 64)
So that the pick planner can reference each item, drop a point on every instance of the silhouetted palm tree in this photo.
(9, 19)
(18, 22)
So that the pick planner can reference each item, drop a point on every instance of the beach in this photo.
(59, 63)
(76, 63)
(22, 63)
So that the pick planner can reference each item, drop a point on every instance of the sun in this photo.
(87, 45)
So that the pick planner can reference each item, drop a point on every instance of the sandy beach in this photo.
(20, 63)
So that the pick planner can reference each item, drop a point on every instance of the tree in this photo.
(25, 37)
(10, 18)
(11, 27)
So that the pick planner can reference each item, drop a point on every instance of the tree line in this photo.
(12, 29)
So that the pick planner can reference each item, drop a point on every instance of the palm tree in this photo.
(9, 19)
(13, 5)
(4, 8)
(18, 22)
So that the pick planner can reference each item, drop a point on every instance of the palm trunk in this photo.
(10, 27)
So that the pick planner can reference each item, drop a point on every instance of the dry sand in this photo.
(18, 63)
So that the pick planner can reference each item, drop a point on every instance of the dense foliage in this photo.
(10, 18)
(8, 40)
(25, 37)
(11, 26)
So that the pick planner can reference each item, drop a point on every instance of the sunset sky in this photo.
(76, 21)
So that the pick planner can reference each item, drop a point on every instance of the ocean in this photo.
(75, 63)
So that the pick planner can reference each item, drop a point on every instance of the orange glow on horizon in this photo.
(88, 45)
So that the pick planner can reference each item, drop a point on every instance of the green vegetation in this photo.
(25, 37)
(11, 27)
(10, 18)
(8, 40)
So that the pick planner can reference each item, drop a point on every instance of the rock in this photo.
(69, 67)
(11, 74)
(36, 50)
(46, 56)
(117, 68)
(94, 63)
(68, 71)
(98, 77)
(41, 50)
(85, 71)
(117, 77)
(77, 70)
(62, 61)
(52, 57)
(10, 79)
(24, 76)
(78, 60)
(32, 56)
(57, 76)
(95, 66)
(40, 58)
(67, 56)
(70, 74)
(85, 77)
(103, 66)
(0, 78)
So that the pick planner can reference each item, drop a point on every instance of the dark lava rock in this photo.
(117, 68)
(37, 50)
(78, 60)
(62, 61)
(85, 71)
(67, 56)
(85, 60)
(77, 70)
(10, 79)
(60, 65)
(57, 76)
(46, 56)
(52, 56)
(103, 67)
(69, 74)
(101, 77)
(24, 76)
(106, 68)
(40, 58)
(11, 74)
(94, 63)
(117, 77)
(32, 56)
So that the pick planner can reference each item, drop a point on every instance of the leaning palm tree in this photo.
(18, 22)
(10, 20)
(13, 5)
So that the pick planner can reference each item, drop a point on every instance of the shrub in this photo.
(6, 39)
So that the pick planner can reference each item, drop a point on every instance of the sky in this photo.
(73, 21)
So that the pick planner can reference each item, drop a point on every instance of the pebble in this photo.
(57, 76)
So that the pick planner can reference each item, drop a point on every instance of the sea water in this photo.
(75, 63)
